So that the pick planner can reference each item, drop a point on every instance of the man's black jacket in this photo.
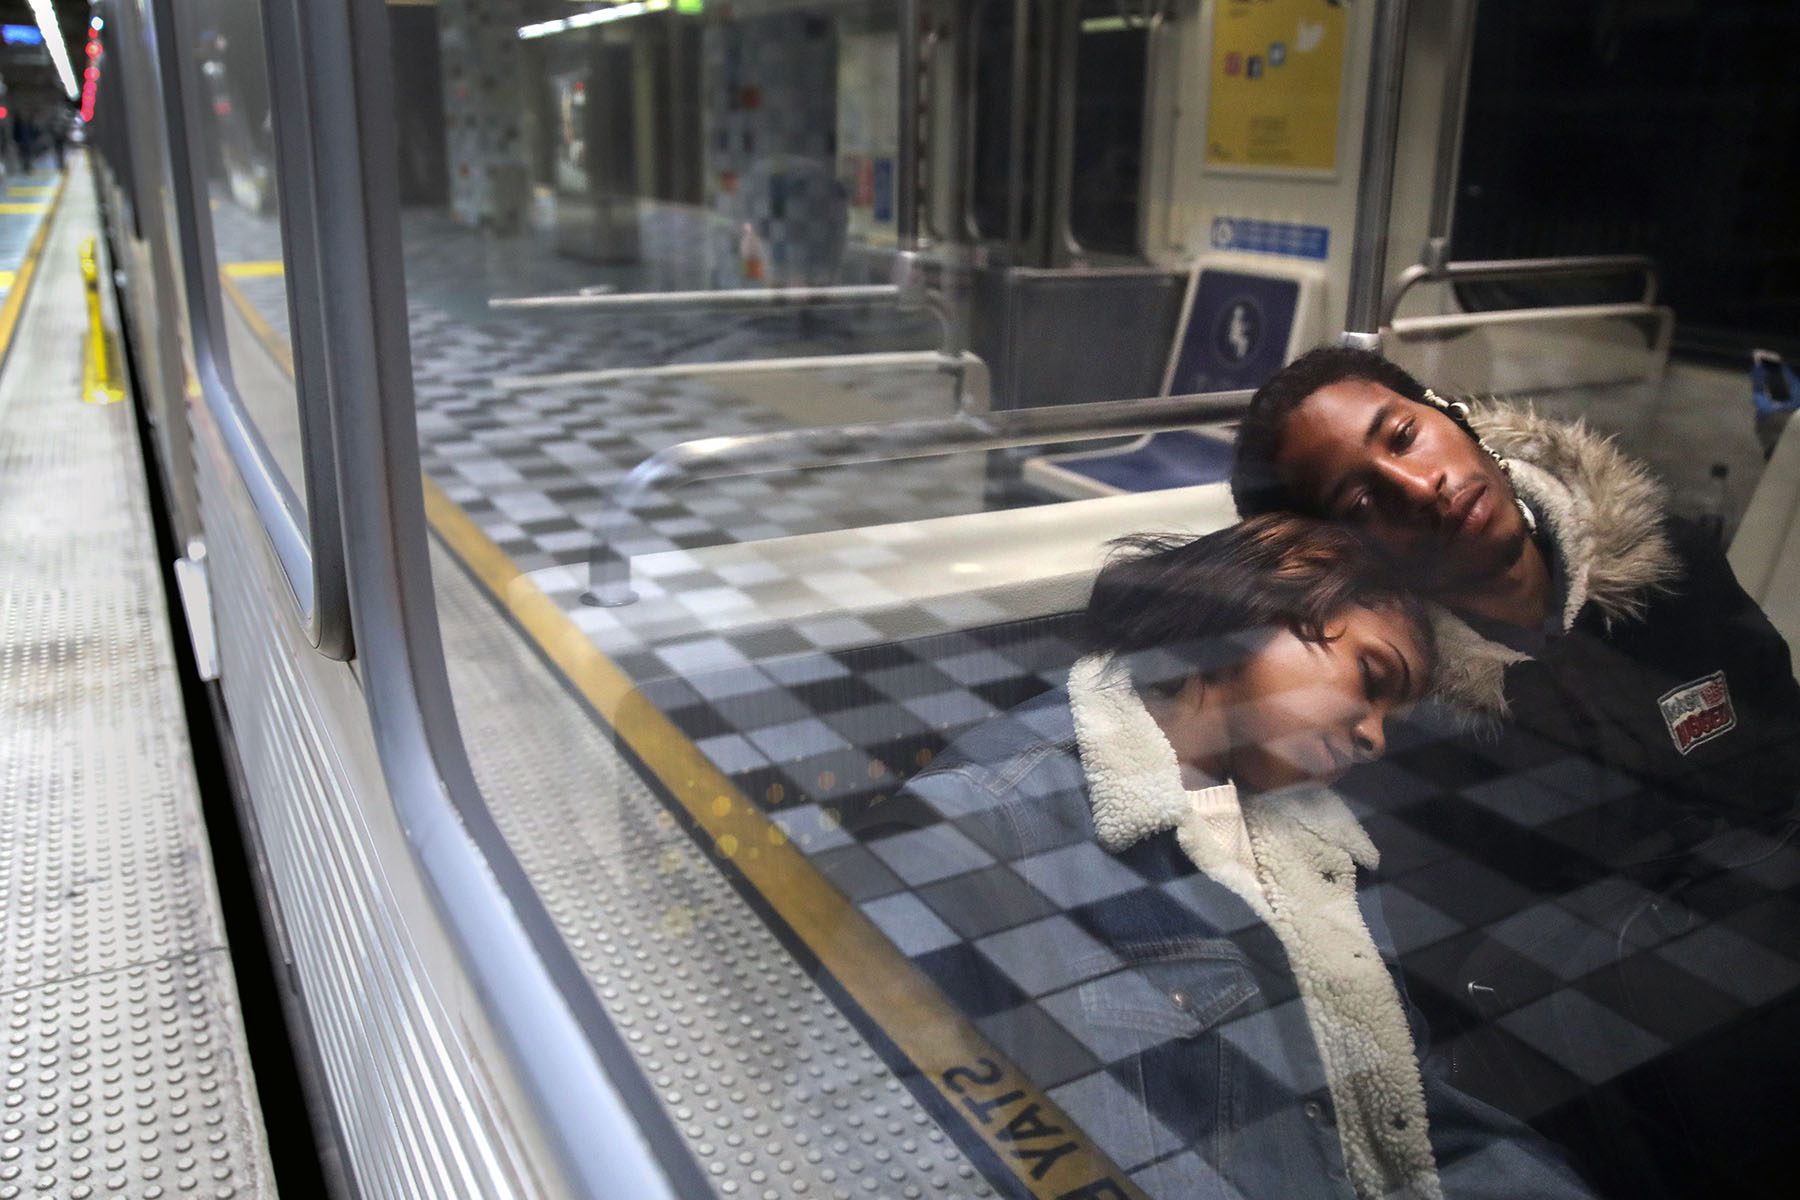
(1608, 827)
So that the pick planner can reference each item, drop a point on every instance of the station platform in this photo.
(127, 1067)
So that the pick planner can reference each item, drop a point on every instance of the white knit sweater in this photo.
(1291, 856)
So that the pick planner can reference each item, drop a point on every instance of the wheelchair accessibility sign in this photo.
(1238, 330)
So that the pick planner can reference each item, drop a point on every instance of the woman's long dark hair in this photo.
(1174, 606)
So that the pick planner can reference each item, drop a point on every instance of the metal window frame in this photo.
(603, 1118)
(306, 538)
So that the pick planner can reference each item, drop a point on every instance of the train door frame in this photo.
(159, 348)
(333, 101)
(1042, 80)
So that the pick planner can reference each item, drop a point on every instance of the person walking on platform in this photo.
(22, 141)
(1599, 652)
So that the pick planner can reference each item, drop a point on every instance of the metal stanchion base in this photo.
(618, 599)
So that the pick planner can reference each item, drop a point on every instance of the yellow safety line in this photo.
(22, 208)
(6, 279)
(253, 270)
(273, 342)
(14, 303)
(1046, 1151)
(30, 189)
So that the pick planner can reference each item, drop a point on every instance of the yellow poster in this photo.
(1277, 78)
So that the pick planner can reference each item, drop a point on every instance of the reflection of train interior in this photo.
(778, 374)
(234, 84)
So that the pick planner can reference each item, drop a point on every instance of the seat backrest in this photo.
(1765, 554)
(1535, 350)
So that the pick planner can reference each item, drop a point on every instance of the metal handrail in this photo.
(609, 572)
(966, 366)
(908, 289)
(1520, 268)
(906, 157)
(705, 299)
(1439, 323)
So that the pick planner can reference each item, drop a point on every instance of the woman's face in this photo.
(1299, 710)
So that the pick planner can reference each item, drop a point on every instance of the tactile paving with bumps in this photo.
(129, 1083)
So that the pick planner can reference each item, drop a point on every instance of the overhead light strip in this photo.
(598, 16)
(53, 42)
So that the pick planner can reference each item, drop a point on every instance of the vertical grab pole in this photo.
(1015, 149)
(906, 161)
(1375, 184)
(1459, 48)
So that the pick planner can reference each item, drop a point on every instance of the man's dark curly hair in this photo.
(1256, 484)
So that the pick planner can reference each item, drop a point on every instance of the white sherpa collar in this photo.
(1602, 511)
(1292, 857)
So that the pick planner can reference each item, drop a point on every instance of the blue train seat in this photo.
(1244, 318)
(1182, 458)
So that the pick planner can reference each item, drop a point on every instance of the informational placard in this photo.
(1276, 85)
(868, 130)
(1235, 332)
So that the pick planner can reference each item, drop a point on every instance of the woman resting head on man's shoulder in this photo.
(1227, 681)
(1269, 653)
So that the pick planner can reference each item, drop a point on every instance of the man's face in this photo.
(1408, 478)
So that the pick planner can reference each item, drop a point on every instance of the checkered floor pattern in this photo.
(1499, 966)
(534, 468)
(1540, 957)
(822, 722)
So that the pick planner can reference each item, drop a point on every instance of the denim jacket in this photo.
(1189, 998)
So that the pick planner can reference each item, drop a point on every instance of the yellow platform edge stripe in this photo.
(273, 342)
(256, 269)
(1025, 1130)
(15, 296)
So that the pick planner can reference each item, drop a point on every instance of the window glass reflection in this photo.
(1282, 851)
(236, 155)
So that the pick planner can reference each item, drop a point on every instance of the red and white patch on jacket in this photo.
(1699, 711)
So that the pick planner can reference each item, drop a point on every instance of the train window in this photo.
(1605, 98)
(649, 254)
(235, 159)
(795, 694)
(1105, 188)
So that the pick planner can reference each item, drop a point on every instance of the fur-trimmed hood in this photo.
(1292, 857)
(1603, 513)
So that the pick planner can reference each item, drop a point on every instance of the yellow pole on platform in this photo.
(97, 384)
